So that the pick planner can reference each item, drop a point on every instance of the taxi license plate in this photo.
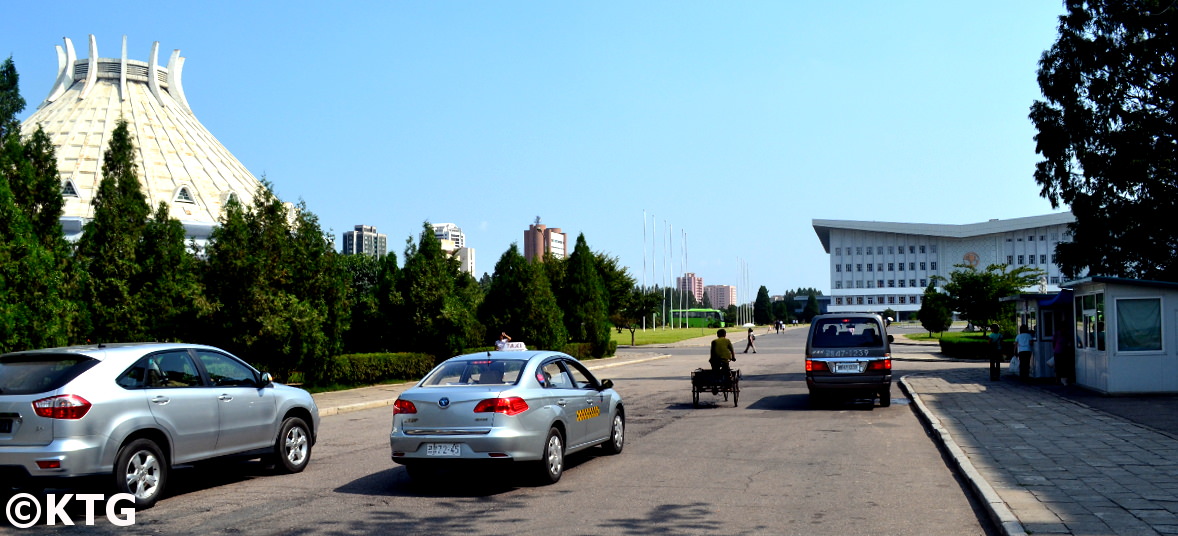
(846, 367)
(443, 449)
(5, 426)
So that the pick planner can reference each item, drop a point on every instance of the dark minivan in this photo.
(849, 354)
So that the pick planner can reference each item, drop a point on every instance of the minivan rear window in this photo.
(25, 374)
(847, 332)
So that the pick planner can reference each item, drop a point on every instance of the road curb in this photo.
(1000, 514)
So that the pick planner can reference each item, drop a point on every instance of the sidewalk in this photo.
(1043, 463)
(376, 396)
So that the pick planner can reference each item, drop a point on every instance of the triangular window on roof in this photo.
(184, 196)
(68, 189)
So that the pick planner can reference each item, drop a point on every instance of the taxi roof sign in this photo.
(514, 347)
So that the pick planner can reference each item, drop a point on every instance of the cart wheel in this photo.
(726, 395)
(695, 397)
(735, 396)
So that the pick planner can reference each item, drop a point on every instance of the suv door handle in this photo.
(225, 398)
(161, 400)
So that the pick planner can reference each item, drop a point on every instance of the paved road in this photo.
(770, 466)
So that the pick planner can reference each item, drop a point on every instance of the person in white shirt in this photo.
(501, 344)
(1023, 346)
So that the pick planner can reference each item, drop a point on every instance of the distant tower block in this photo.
(179, 161)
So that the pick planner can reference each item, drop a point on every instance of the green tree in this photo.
(520, 302)
(640, 304)
(1108, 136)
(762, 309)
(321, 289)
(975, 294)
(584, 300)
(812, 309)
(934, 313)
(110, 243)
(361, 273)
(443, 319)
(169, 290)
(707, 302)
(619, 284)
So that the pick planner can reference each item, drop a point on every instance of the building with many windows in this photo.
(693, 284)
(454, 242)
(540, 239)
(880, 265)
(721, 296)
(365, 241)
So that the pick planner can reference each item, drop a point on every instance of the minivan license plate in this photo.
(5, 426)
(846, 367)
(442, 449)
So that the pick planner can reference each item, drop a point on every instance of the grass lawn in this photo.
(947, 335)
(666, 335)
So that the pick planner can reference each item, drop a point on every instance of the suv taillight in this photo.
(881, 364)
(403, 406)
(61, 407)
(507, 406)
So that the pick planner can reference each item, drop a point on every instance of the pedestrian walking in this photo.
(750, 344)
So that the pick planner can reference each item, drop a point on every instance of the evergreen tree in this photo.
(762, 312)
(168, 282)
(361, 274)
(812, 309)
(320, 286)
(520, 302)
(584, 300)
(109, 245)
(443, 318)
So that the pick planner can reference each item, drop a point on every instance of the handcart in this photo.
(709, 381)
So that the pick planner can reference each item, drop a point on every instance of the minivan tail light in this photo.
(507, 406)
(61, 407)
(880, 364)
(812, 366)
(403, 406)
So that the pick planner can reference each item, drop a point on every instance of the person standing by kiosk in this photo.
(995, 352)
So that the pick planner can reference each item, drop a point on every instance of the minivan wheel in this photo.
(292, 449)
(885, 398)
(552, 464)
(142, 471)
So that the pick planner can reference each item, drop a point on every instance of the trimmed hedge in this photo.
(584, 350)
(970, 348)
(361, 369)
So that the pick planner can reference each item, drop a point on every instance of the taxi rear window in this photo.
(849, 332)
(25, 374)
(478, 372)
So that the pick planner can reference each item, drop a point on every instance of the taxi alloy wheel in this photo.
(553, 460)
(617, 436)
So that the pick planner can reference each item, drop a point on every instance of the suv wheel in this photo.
(292, 449)
(142, 471)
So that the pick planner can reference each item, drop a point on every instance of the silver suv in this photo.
(134, 410)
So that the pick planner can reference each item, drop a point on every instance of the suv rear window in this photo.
(25, 374)
(848, 332)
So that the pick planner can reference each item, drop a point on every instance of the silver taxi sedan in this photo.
(532, 407)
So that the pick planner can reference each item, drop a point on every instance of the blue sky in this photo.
(735, 122)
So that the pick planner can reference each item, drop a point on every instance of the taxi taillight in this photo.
(403, 406)
(507, 406)
(62, 407)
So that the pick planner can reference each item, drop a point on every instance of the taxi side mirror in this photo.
(606, 384)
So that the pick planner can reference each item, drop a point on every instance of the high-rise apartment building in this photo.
(690, 283)
(721, 296)
(540, 239)
(365, 240)
(454, 242)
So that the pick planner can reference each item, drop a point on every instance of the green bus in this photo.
(697, 318)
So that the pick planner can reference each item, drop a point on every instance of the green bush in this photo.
(367, 369)
(584, 350)
(972, 348)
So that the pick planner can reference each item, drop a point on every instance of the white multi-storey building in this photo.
(364, 240)
(454, 242)
(880, 265)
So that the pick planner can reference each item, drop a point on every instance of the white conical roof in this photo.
(179, 161)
